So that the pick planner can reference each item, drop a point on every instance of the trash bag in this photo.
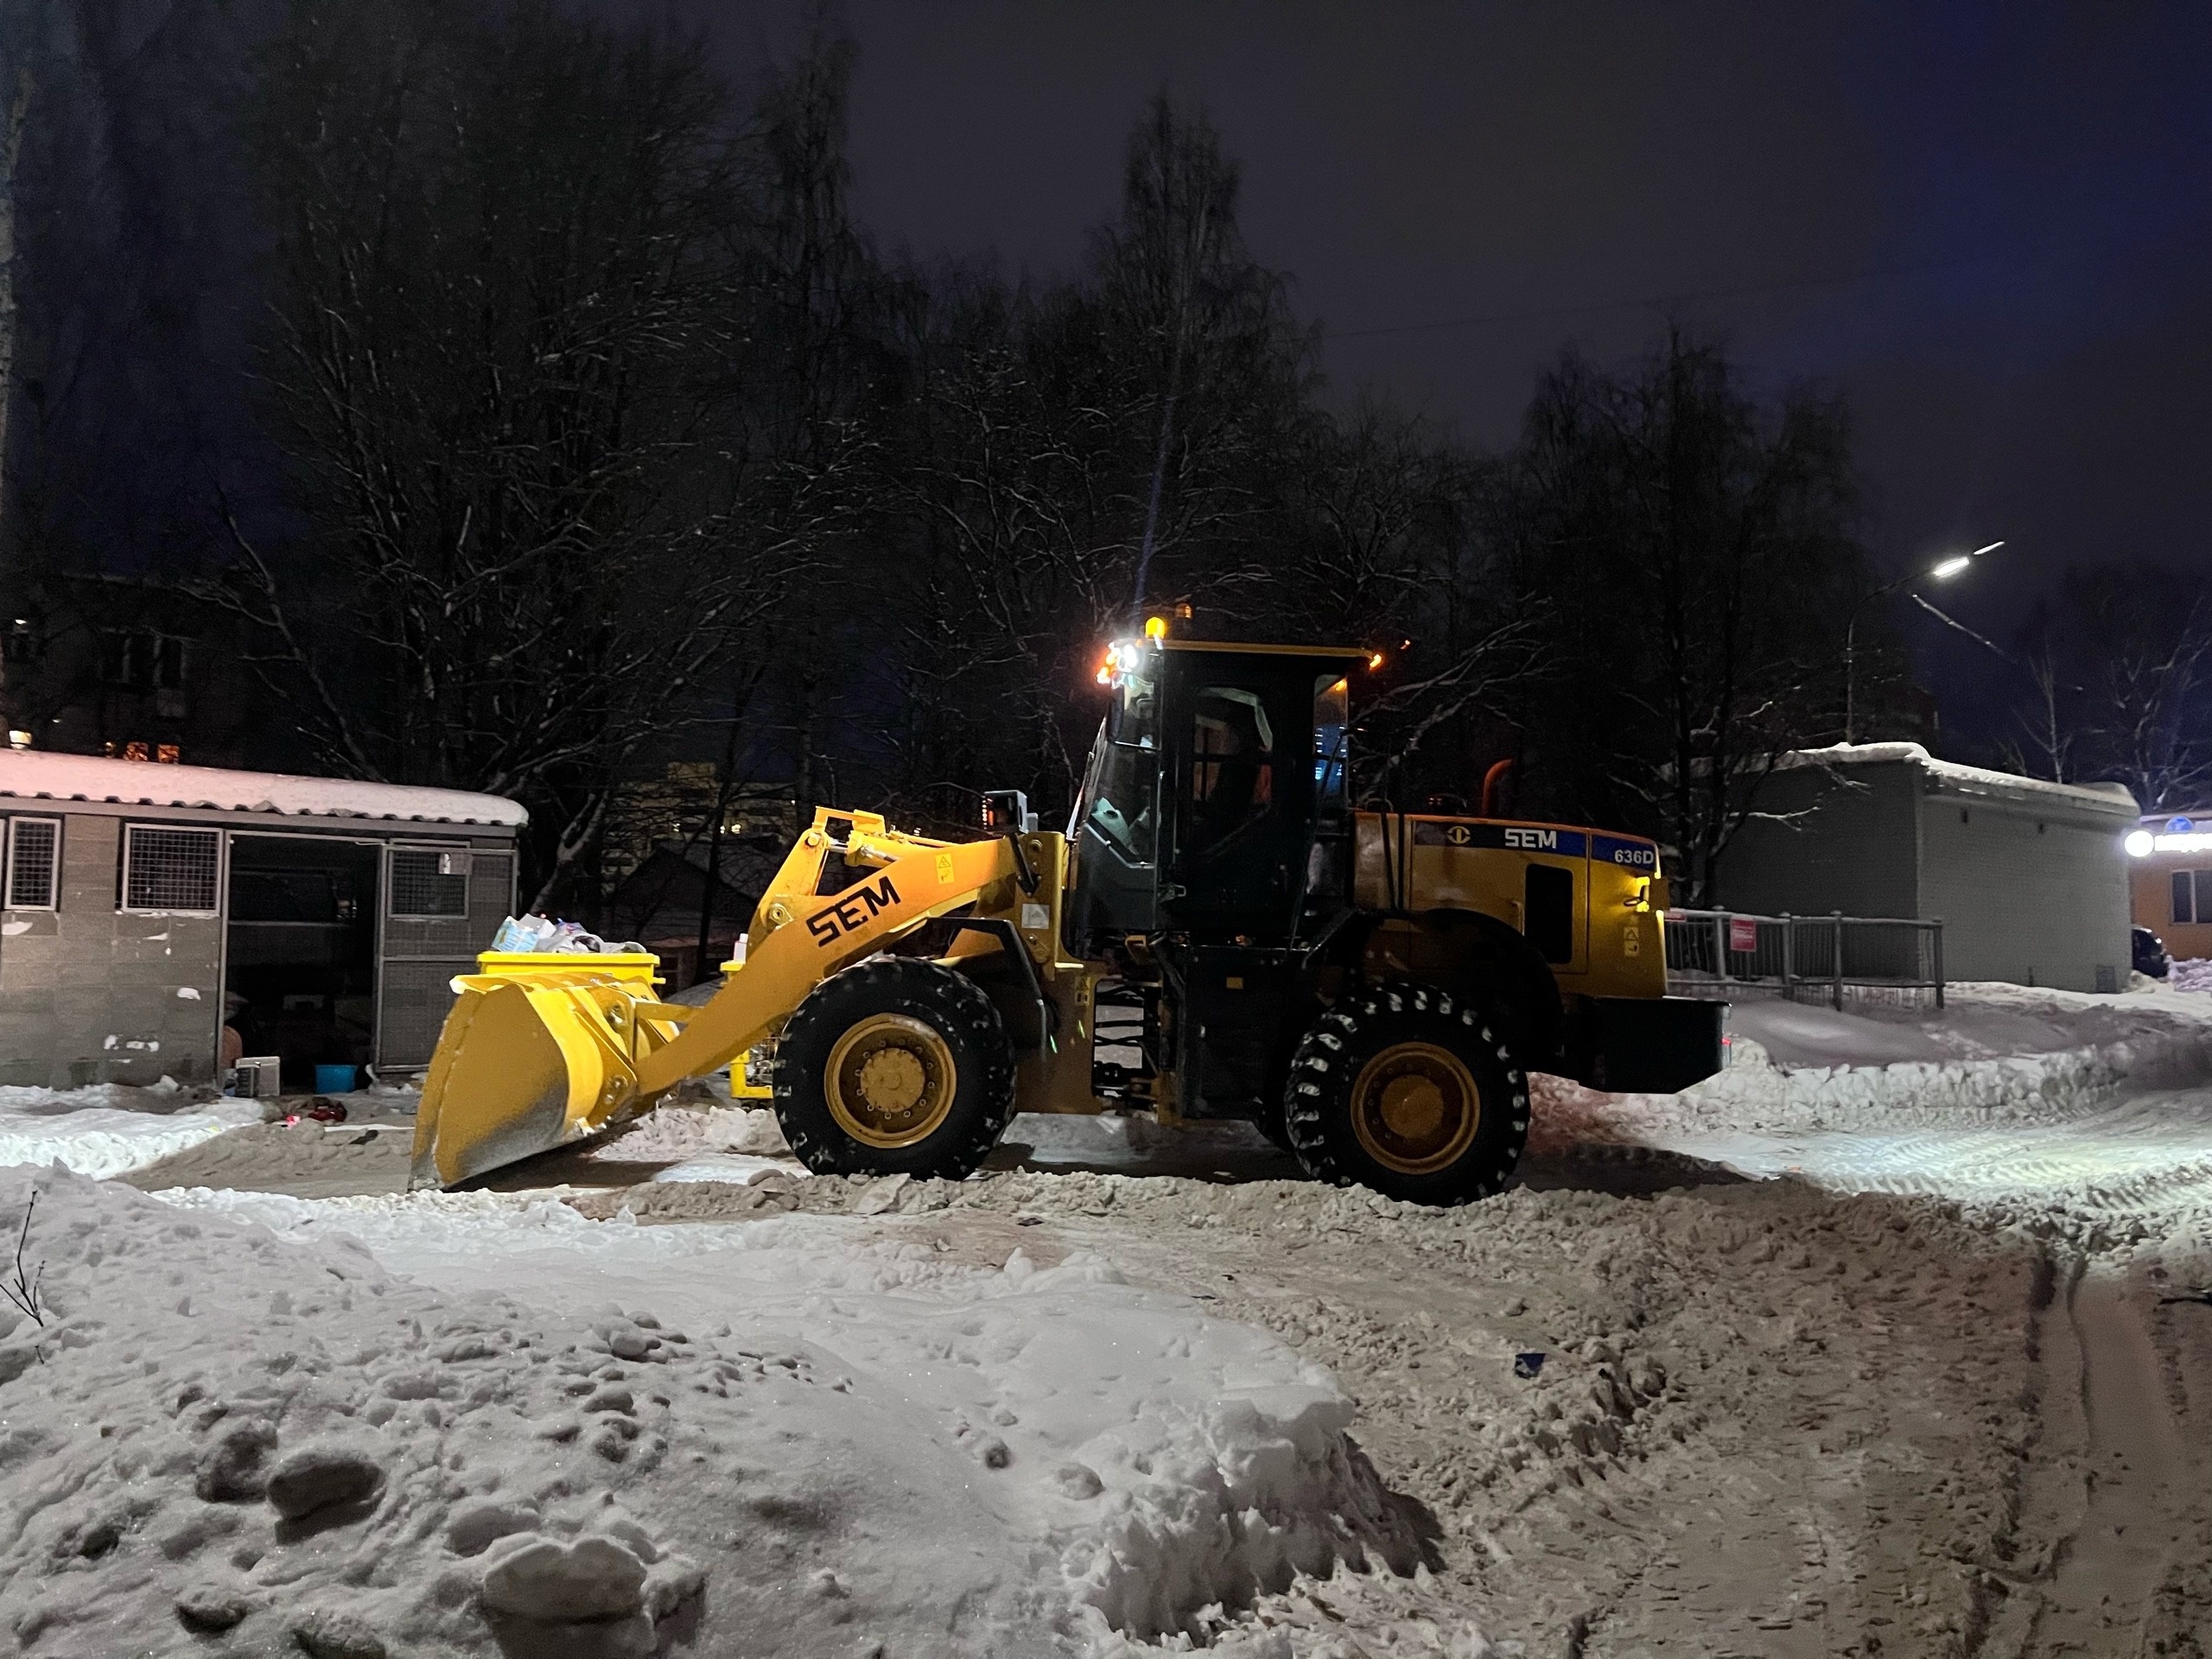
(542, 936)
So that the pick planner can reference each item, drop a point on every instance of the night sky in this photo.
(1988, 224)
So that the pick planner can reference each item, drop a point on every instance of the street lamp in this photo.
(1943, 571)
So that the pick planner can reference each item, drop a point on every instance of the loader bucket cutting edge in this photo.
(520, 1069)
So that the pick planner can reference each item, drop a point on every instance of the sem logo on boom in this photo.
(1544, 840)
(850, 912)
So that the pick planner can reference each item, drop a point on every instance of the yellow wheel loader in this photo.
(1219, 934)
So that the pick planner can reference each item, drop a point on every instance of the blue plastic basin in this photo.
(334, 1079)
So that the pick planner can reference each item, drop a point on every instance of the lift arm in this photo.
(539, 1051)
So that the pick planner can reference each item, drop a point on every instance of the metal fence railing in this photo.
(1795, 953)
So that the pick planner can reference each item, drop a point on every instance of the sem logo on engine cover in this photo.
(1524, 838)
(830, 925)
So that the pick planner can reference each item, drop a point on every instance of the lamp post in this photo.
(1943, 570)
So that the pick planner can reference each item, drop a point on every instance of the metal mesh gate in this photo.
(416, 997)
(425, 946)
(428, 883)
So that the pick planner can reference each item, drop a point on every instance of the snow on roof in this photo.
(2101, 797)
(39, 774)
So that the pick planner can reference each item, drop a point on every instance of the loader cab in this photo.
(1216, 802)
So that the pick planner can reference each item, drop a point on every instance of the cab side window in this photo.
(1232, 767)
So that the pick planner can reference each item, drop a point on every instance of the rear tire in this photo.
(896, 1066)
(1407, 1089)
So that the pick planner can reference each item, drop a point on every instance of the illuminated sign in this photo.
(2141, 843)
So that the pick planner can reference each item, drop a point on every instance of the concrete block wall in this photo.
(2029, 891)
(90, 995)
(1830, 840)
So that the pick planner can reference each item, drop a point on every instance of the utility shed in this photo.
(2029, 878)
(148, 905)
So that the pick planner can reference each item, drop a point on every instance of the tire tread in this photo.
(928, 991)
(1317, 1103)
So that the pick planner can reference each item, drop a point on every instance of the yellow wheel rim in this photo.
(1415, 1109)
(890, 1081)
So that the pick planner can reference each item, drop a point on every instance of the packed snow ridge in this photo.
(235, 1417)
(106, 1129)
(2000, 1053)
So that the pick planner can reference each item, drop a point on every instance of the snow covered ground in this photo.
(775, 1436)
(1908, 1362)
(2093, 1114)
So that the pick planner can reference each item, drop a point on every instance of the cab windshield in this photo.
(1120, 787)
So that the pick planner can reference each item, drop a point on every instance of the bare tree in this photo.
(11, 149)
(1695, 550)
(505, 291)
(2139, 645)
(2049, 737)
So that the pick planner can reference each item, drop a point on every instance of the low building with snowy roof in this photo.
(2029, 878)
(150, 906)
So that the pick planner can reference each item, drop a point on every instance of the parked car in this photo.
(2150, 953)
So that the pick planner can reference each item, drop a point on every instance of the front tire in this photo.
(894, 1067)
(1407, 1089)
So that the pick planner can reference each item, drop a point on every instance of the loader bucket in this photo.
(537, 1052)
(542, 1050)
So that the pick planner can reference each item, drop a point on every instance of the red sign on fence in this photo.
(1744, 933)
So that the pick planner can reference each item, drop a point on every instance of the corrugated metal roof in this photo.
(39, 774)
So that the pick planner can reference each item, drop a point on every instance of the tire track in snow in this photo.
(2105, 1504)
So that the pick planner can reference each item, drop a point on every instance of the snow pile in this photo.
(735, 1144)
(1130, 1141)
(1411, 1617)
(676, 1132)
(110, 1127)
(220, 1427)
(2193, 975)
(2002, 1054)
(2106, 1141)
(745, 1147)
